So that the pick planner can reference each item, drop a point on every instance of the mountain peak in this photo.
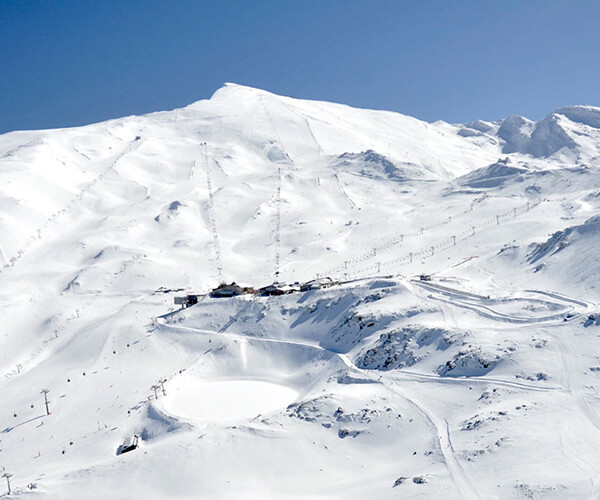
(231, 90)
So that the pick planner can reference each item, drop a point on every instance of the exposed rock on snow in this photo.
(473, 362)
(397, 349)
(493, 175)
(561, 239)
(372, 165)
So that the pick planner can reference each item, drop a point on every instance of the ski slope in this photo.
(480, 381)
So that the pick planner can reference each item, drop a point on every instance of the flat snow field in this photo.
(227, 400)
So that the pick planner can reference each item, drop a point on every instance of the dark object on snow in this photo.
(224, 290)
(278, 289)
(399, 481)
(163, 289)
(187, 301)
(425, 277)
(128, 445)
(344, 433)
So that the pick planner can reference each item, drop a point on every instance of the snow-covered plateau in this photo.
(455, 352)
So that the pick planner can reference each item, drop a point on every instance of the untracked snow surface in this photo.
(225, 400)
(457, 354)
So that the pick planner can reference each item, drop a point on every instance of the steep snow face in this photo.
(516, 133)
(581, 262)
(585, 115)
(492, 175)
(570, 130)
(549, 137)
(453, 356)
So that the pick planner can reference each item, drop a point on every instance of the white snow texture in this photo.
(457, 354)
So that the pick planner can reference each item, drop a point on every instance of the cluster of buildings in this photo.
(225, 290)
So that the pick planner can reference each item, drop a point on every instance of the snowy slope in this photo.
(480, 383)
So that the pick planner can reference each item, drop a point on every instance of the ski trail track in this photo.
(565, 298)
(212, 217)
(574, 386)
(494, 315)
(278, 198)
(34, 357)
(37, 354)
(53, 218)
(397, 381)
(461, 480)
(571, 383)
(425, 251)
(310, 130)
(463, 483)
(454, 299)
(410, 375)
(345, 195)
(3, 257)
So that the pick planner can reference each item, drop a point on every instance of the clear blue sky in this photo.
(72, 62)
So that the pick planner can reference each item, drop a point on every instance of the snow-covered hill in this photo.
(480, 382)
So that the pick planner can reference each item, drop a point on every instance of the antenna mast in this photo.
(278, 224)
(212, 218)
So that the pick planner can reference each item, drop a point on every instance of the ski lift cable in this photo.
(212, 218)
(399, 238)
(426, 253)
(278, 202)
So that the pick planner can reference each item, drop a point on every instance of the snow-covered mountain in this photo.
(456, 356)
